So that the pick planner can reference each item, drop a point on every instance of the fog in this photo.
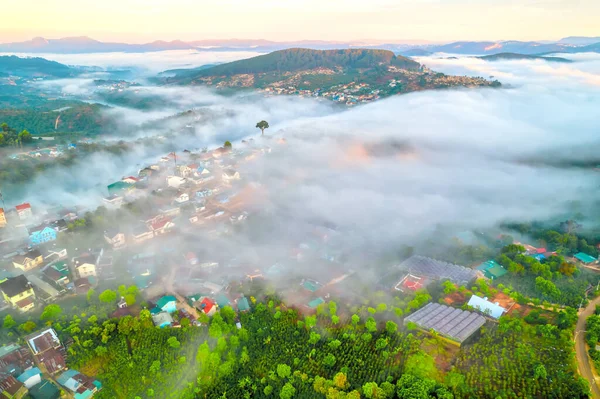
(387, 174)
(149, 63)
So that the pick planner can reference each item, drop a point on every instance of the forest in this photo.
(298, 59)
(339, 352)
(76, 117)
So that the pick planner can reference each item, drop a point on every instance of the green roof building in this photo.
(492, 270)
(316, 302)
(44, 390)
(222, 300)
(309, 285)
(118, 187)
(243, 305)
(585, 258)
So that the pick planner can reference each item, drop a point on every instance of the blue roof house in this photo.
(41, 235)
(31, 377)
(167, 304)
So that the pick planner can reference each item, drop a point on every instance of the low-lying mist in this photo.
(389, 173)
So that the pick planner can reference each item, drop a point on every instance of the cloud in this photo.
(392, 173)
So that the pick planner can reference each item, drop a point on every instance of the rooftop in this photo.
(585, 258)
(455, 324)
(487, 307)
(162, 302)
(436, 269)
(14, 286)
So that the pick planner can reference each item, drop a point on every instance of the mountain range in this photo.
(85, 44)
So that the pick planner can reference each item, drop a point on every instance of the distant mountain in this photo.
(515, 56)
(34, 67)
(415, 52)
(85, 44)
(186, 71)
(579, 40)
(476, 48)
(297, 59)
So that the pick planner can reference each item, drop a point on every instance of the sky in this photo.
(378, 20)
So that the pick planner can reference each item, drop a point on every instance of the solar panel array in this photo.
(436, 269)
(453, 323)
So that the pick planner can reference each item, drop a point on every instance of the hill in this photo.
(34, 67)
(297, 59)
(515, 56)
(348, 76)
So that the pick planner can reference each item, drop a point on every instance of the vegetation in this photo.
(262, 125)
(34, 67)
(78, 117)
(298, 59)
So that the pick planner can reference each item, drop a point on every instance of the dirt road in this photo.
(584, 364)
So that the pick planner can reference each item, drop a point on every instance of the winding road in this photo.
(584, 364)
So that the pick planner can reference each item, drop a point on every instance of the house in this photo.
(46, 290)
(191, 258)
(206, 305)
(11, 388)
(24, 211)
(162, 319)
(18, 292)
(119, 187)
(15, 358)
(202, 171)
(316, 302)
(484, 306)
(79, 385)
(44, 390)
(175, 181)
(411, 283)
(231, 174)
(31, 377)
(59, 225)
(115, 238)
(222, 300)
(47, 349)
(585, 258)
(492, 270)
(204, 193)
(30, 260)
(3, 221)
(56, 254)
(122, 304)
(242, 304)
(58, 273)
(161, 226)
(86, 265)
(130, 180)
(184, 170)
(113, 201)
(141, 233)
(41, 234)
(167, 303)
(182, 198)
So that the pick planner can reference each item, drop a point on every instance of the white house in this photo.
(114, 201)
(182, 198)
(31, 377)
(231, 174)
(175, 181)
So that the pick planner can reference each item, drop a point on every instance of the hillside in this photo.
(515, 56)
(33, 67)
(349, 76)
(297, 59)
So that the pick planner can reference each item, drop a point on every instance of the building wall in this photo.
(31, 381)
(25, 294)
(40, 237)
(24, 214)
(2, 219)
(29, 264)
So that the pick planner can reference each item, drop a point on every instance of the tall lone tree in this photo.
(262, 125)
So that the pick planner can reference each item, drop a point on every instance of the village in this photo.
(191, 197)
